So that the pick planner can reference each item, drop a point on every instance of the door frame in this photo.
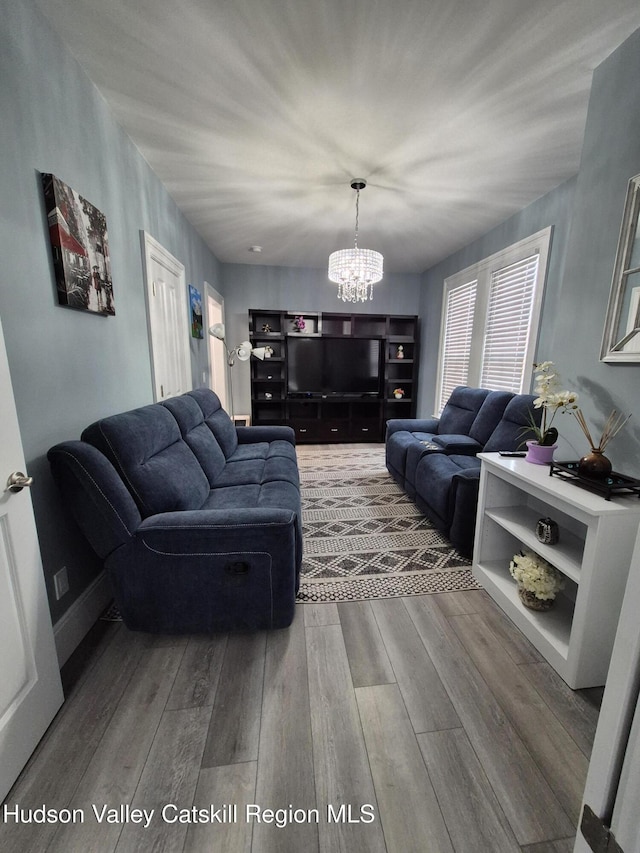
(611, 789)
(216, 345)
(153, 251)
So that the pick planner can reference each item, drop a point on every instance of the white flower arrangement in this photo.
(536, 575)
(551, 400)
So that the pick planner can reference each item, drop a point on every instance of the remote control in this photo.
(513, 453)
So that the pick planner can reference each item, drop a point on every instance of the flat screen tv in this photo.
(325, 366)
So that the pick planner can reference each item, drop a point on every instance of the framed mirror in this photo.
(621, 339)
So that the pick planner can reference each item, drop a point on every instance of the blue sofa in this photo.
(468, 418)
(441, 470)
(197, 521)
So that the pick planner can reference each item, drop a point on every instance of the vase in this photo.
(540, 454)
(595, 464)
(529, 600)
(398, 396)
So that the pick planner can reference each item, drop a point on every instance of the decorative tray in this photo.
(613, 484)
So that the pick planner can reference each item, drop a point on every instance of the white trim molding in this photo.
(74, 624)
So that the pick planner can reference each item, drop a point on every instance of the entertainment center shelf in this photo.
(593, 552)
(326, 388)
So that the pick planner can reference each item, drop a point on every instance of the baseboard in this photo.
(73, 625)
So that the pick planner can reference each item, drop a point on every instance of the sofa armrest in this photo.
(208, 570)
(189, 531)
(463, 445)
(464, 496)
(95, 495)
(429, 425)
(251, 434)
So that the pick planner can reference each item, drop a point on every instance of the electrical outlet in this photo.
(61, 582)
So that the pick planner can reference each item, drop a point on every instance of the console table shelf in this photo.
(596, 540)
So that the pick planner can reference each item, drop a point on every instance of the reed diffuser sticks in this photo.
(612, 427)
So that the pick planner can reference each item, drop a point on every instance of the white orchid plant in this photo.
(551, 400)
(536, 575)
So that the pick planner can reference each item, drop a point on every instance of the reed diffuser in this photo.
(595, 463)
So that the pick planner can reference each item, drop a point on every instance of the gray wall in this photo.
(610, 156)
(586, 214)
(293, 289)
(69, 368)
(554, 209)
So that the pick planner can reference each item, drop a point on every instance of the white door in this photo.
(217, 354)
(169, 328)
(612, 793)
(30, 687)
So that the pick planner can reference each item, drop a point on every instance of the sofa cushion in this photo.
(489, 415)
(216, 419)
(280, 440)
(158, 467)
(514, 427)
(197, 435)
(434, 476)
(461, 409)
(397, 447)
(258, 471)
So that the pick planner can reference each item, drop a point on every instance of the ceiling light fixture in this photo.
(355, 271)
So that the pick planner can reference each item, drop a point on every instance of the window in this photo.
(458, 326)
(490, 320)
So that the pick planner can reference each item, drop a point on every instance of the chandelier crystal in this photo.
(356, 270)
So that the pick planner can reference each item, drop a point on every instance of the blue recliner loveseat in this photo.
(197, 521)
(468, 418)
(442, 471)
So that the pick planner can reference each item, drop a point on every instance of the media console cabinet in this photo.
(593, 552)
(333, 416)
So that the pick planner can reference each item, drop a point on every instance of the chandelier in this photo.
(355, 271)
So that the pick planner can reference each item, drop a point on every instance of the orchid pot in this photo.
(540, 454)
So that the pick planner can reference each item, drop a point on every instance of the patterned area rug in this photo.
(363, 538)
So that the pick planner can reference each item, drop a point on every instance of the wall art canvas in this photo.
(80, 247)
(195, 304)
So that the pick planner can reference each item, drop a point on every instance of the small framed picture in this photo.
(195, 306)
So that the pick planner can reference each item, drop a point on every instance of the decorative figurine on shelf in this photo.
(398, 393)
(268, 395)
(266, 327)
(299, 324)
(268, 352)
(400, 352)
(547, 531)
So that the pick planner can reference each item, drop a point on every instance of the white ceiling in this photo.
(256, 114)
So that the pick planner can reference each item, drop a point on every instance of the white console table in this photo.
(593, 553)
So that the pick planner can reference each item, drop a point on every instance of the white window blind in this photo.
(490, 316)
(458, 330)
(508, 325)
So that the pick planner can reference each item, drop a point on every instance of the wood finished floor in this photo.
(432, 714)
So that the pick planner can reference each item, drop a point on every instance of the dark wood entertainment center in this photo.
(333, 416)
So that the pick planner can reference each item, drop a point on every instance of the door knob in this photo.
(18, 481)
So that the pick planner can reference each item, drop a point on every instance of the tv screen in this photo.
(333, 365)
